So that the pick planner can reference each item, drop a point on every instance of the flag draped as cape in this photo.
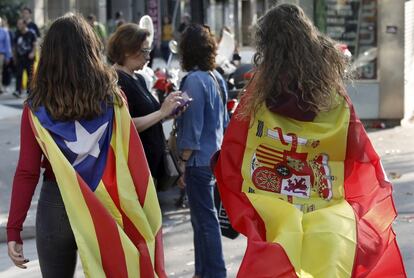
(311, 197)
(107, 190)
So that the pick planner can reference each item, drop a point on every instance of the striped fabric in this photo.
(311, 197)
(117, 221)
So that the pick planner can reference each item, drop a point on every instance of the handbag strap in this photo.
(218, 88)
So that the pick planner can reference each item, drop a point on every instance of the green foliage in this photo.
(10, 9)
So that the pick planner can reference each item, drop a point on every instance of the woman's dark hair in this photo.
(71, 79)
(292, 53)
(126, 40)
(197, 48)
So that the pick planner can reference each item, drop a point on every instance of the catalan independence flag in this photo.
(108, 192)
(312, 198)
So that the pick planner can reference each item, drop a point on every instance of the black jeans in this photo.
(23, 63)
(55, 242)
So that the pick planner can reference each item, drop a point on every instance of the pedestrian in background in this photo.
(129, 50)
(24, 53)
(200, 133)
(166, 37)
(113, 24)
(5, 51)
(297, 173)
(98, 27)
(97, 193)
(26, 14)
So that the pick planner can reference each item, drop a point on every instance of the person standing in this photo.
(98, 27)
(200, 133)
(97, 196)
(297, 173)
(25, 51)
(5, 51)
(26, 14)
(166, 37)
(129, 50)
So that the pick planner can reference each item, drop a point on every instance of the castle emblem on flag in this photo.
(287, 171)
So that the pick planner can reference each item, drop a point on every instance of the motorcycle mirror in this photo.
(225, 48)
(173, 46)
(365, 58)
(146, 23)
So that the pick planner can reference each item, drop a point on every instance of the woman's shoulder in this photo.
(197, 76)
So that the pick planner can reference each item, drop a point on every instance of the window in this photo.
(354, 23)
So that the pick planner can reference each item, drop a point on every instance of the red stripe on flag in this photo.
(110, 245)
(367, 192)
(264, 259)
(264, 157)
(137, 164)
(270, 150)
(146, 269)
(159, 256)
(109, 177)
(110, 181)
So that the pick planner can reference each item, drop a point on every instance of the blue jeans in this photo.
(209, 262)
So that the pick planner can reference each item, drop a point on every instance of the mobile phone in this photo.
(183, 102)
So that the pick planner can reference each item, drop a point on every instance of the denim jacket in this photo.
(202, 125)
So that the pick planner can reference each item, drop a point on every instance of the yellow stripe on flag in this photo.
(127, 194)
(106, 200)
(131, 255)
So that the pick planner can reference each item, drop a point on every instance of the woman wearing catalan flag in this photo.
(97, 196)
(297, 172)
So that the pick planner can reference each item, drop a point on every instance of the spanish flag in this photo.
(113, 208)
(311, 197)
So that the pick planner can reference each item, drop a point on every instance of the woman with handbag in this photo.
(200, 133)
(129, 50)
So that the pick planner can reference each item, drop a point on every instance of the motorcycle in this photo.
(167, 79)
(236, 75)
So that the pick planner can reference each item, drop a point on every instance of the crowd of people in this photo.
(88, 114)
(18, 50)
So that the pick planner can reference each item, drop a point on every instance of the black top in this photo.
(24, 43)
(141, 103)
(33, 27)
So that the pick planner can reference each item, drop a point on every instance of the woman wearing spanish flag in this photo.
(97, 197)
(297, 173)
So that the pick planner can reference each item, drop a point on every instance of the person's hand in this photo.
(31, 55)
(171, 102)
(15, 251)
(181, 182)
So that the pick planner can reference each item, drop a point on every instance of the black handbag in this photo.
(225, 225)
(171, 172)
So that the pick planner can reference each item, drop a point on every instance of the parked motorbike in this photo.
(236, 75)
(167, 79)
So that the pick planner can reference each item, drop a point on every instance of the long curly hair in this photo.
(292, 53)
(71, 79)
(197, 48)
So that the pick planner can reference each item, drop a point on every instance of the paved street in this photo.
(395, 145)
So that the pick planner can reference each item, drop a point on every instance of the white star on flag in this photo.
(86, 143)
